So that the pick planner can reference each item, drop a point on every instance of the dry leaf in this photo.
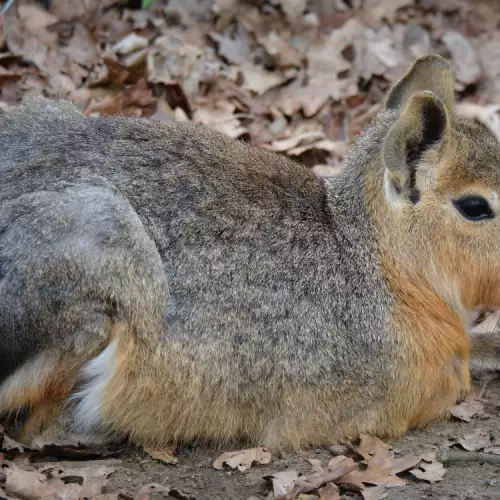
(283, 481)
(36, 20)
(464, 58)
(432, 472)
(382, 466)
(477, 440)
(91, 480)
(337, 468)
(234, 50)
(243, 459)
(130, 43)
(467, 409)
(221, 118)
(329, 492)
(374, 493)
(82, 48)
(258, 79)
(369, 446)
(316, 465)
(165, 455)
(375, 11)
(54, 482)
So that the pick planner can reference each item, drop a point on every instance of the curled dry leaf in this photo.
(165, 455)
(243, 459)
(467, 409)
(477, 440)
(432, 472)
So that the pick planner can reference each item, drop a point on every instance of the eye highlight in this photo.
(474, 208)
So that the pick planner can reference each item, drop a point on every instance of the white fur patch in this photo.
(395, 200)
(95, 375)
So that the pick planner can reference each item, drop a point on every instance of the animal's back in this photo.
(269, 283)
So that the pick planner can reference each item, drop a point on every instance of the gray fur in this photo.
(237, 253)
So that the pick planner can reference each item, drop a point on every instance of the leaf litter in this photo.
(297, 77)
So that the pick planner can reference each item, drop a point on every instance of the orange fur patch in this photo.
(432, 373)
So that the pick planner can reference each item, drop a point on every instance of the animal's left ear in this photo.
(423, 99)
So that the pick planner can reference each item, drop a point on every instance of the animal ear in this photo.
(422, 126)
(430, 72)
(424, 101)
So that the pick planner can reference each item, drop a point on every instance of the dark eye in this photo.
(474, 208)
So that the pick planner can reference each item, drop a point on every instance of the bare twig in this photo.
(446, 455)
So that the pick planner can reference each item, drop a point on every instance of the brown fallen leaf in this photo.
(338, 467)
(82, 48)
(470, 407)
(465, 60)
(34, 485)
(259, 80)
(374, 11)
(91, 480)
(165, 455)
(35, 20)
(477, 440)
(369, 446)
(374, 493)
(283, 481)
(432, 472)
(316, 465)
(129, 44)
(329, 492)
(221, 117)
(243, 459)
(234, 49)
(382, 467)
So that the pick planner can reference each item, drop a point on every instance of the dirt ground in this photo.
(194, 478)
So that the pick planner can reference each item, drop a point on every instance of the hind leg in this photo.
(43, 397)
(77, 271)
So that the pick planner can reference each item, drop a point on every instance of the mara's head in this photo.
(435, 190)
